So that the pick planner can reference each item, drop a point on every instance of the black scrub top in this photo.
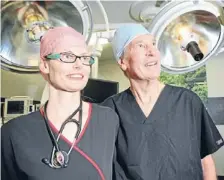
(25, 142)
(168, 144)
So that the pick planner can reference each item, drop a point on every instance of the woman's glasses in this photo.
(68, 57)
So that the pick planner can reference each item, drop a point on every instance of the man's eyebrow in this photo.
(143, 41)
(139, 41)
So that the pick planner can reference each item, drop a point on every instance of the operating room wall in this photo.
(15, 84)
(215, 75)
(109, 70)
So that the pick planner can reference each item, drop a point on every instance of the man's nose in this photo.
(150, 52)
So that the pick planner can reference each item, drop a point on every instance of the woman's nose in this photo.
(77, 64)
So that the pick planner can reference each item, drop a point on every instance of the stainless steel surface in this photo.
(200, 23)
(144, 11)
(177, 24)
(20, 54)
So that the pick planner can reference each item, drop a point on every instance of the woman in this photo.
(68, 138)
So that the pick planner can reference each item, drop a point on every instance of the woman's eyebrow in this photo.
(86, 54)
(69, 52)
(78, 54)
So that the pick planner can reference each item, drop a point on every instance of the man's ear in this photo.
(122, 64)
(44, 67)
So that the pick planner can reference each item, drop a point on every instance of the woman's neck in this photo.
(61, 104)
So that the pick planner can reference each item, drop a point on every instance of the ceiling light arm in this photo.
(131, 14)
(98, 48)
(89, 12)
(83, 8)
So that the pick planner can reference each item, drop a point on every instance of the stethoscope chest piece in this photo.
(60, 159)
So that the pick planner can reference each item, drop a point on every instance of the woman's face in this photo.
(70, 77)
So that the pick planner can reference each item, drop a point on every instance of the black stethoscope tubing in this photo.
(55, 141)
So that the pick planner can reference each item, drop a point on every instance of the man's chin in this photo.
(153, 77)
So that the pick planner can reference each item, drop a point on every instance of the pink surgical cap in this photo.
(60, 39)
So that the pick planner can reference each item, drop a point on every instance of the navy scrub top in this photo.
(25, 142)
(168, 144)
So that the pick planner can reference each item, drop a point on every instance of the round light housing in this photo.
(23, 24)
(188, 33)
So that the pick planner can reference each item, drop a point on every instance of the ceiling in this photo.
(116, 18)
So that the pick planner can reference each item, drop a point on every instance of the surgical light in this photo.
(24, 22)
(188, 34)
(34, 19)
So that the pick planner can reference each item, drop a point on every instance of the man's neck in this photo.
(146, 92)
(61, 104)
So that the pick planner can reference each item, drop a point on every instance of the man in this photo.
(165, 131)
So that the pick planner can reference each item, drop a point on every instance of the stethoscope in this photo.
(59, 158)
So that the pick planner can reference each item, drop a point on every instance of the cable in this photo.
(104, 15)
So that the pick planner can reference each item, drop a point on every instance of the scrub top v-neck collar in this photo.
(85, 127)
(157, 111)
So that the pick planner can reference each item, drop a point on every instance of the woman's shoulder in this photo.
(21, 123)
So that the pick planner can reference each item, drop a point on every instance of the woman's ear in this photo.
(44, 67)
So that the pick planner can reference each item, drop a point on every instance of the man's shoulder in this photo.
(103, 109)
(182, 91)
(106, 114)
(115, 99)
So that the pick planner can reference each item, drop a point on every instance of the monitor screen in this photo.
(97, 90)
(15, 107)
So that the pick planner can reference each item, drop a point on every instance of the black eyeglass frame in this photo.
(57, 56)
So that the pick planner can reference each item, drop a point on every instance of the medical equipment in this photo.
(17, 106)
(59, 158)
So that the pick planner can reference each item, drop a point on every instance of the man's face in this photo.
(142, 59)
(69, 77)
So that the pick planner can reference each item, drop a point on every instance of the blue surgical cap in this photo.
(124, 35)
